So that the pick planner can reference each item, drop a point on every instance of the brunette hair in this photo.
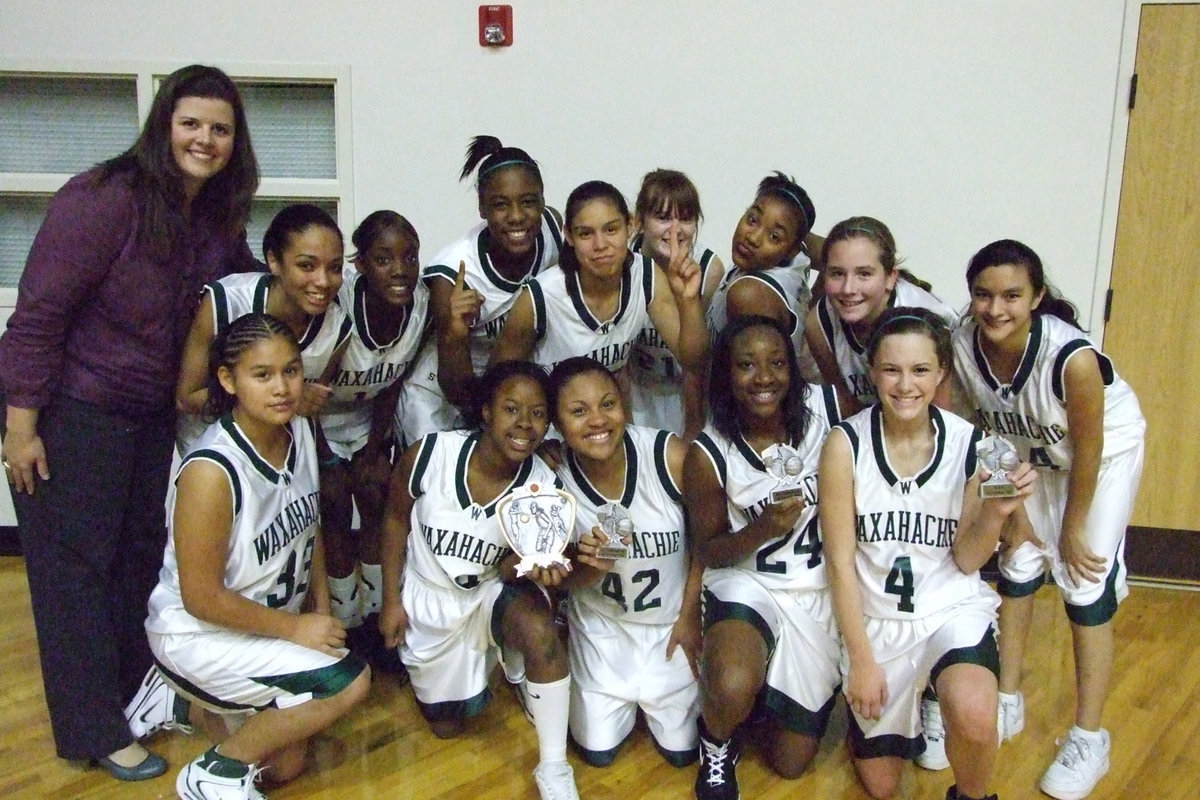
(1010, 251)
(224, 198)
(227, 348)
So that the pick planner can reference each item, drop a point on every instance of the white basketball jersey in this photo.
(456, 543)
(851, 354)
(427, 405)
(794, 561)
(245, 293)
(790, 283)
(564, 326)
(276, 516)
(647, 587)
(906, 524)
(1031, 411)
(369, 365)
(656, 388)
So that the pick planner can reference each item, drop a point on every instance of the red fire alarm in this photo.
(495, 26)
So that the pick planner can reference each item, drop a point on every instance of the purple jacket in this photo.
(97, 319)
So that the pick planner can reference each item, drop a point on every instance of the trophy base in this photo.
(612, 551)
(997, 490)
(784, 494)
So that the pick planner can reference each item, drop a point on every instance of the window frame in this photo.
(148, 74)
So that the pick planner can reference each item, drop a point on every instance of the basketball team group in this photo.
(758, 487)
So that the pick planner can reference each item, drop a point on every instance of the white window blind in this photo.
(64, 125)
(20, 218)
(292, 128)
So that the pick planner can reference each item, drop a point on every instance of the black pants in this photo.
(93, 539)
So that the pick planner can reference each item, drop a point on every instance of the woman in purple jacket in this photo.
(88, 367)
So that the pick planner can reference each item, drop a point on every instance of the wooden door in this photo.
(1153, 332)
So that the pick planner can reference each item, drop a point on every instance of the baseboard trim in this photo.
(1163, 554)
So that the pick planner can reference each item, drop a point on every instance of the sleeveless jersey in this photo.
(456, 543)
(369, 365)
(1031, 411)
(276, 516)
(906, 524)
(790, 284)
(656, 388)
(422, 393)
(794, 561)
(851, 354)
(565, 327)
(245, 293)
(647, 586)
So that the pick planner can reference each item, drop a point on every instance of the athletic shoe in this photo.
(556, 781)
(934, 757)
(213, 776)
(717, 777)
(952, 794)
(1011, 715)
(156, 707)
(1080, 764)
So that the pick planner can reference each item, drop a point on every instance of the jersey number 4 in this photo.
(291, 580)
(612, 588)
(900, 583)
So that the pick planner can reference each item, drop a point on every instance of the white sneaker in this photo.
(1011, 715)
(934, 757)
(201, 780)
(556, 781)
(152, 709)
(1080, 764)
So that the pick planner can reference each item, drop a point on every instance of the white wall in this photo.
(955, 121)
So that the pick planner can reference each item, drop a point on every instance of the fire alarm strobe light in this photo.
(495, 26)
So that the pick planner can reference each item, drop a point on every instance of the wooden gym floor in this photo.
(384, 749)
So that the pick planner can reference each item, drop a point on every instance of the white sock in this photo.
(1094, 737)
(548, 704)
(372, 585)
(344, 594)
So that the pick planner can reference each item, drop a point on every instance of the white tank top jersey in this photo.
(851, 354)
(656, 388)
(276, 516)
(235, 296)
(456, 543)
(789, 283)
(791, 562)
(499, 293)
(369, 365)
(1031, 411)
(906, 524)
(647, 587)
(564, 326)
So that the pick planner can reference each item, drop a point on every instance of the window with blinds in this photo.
(59, 123)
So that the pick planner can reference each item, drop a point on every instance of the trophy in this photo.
(998, 456)
(537, 521)
(618, 527)
(785, 465)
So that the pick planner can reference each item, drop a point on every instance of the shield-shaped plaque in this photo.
(537, 521)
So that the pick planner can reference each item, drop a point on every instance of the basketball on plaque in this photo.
(998, 456)
(537, 521)
(618, 527)
(785, 465)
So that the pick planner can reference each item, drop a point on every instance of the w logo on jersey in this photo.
(1006, 392)
(476, 512)
(905, 487)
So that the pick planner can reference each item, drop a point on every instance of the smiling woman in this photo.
(88, 365)
(304, 250)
